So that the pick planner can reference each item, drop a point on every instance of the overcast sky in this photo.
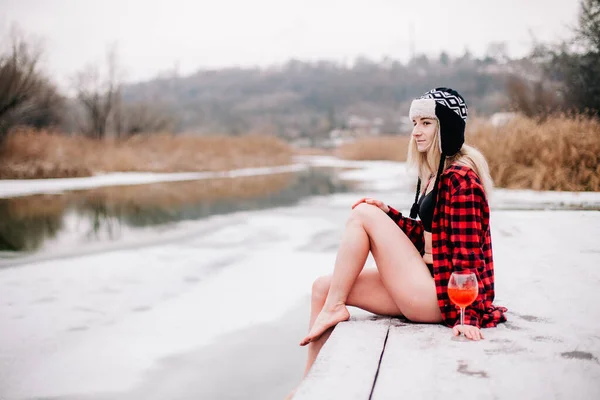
(156, 35)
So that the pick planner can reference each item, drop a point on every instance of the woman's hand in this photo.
(470, 331)
(373, 202)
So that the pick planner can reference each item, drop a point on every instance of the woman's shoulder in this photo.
(461, 176)
(458, 169)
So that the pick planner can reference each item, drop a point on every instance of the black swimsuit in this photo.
(426, 210)
(426, 215)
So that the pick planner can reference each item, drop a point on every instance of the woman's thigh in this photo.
(401, 268)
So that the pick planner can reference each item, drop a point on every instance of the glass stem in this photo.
(462, 318)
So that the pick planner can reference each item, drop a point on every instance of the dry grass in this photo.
(391, 148)
(312, 151)
(560, 153)
(34, 154)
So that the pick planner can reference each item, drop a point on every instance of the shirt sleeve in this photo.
(466, 239)
(411, 227)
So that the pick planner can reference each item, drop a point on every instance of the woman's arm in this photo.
(467, 238)
(411, 227)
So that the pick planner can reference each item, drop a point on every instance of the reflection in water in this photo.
(102, 218)
(26, 223)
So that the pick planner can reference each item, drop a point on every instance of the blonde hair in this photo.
(427, 162)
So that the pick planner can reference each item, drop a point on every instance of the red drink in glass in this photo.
(462, 291)
(462, 297)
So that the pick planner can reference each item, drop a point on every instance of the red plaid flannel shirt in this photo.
(461, 241)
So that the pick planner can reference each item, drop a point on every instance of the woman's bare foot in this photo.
(327, 318)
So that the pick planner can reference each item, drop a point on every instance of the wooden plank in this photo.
(346, 366)
(519, 359)
(420, 362)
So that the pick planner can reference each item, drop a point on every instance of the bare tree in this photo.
(534, 98)
(99, 95)
(27, 97)
(144, 117)
(575, 64)
(589, 25)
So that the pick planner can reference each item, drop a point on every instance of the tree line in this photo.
(298, 98)
(566, 75)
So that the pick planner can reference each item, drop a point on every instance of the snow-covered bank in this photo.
(25, 187)
(395, 179)
(370, 176)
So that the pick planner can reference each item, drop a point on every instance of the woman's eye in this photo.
(426, 123)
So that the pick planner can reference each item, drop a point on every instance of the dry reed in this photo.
(559, 153)
(312, 151)
(40, 154)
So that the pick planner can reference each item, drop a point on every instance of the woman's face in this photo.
(424, 132)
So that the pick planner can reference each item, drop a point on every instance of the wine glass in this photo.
(462, 291)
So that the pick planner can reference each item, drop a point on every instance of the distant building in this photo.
(361, 126)
(502, 118)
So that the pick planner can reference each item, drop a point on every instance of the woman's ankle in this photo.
(333, 306)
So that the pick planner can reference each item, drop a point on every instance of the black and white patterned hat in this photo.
(450, 109)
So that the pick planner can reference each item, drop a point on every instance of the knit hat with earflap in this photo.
(450, 109)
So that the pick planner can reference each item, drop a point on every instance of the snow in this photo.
(97, 322)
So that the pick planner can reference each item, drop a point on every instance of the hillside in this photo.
(301, 99)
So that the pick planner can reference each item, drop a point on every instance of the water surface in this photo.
(40, 223)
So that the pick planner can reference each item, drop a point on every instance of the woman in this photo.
(414, 262)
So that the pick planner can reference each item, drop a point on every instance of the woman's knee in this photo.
(363, 212)
(320, 287)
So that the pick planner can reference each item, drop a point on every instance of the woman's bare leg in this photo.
(402, 270)
(367, 293)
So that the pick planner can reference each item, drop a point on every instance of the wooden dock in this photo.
(387, 358)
